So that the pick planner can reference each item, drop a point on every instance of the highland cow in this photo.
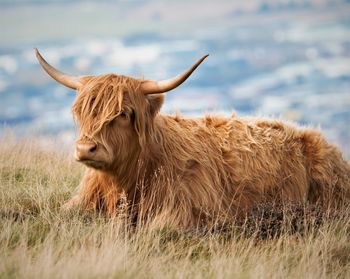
(188, 172)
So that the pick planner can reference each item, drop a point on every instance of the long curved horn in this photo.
(69, 81)
(154, 87)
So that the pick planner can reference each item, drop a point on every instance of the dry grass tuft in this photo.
(38, 240)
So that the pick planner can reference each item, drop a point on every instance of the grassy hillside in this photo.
(38, 240)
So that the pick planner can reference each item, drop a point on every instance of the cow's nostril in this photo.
(93, 148)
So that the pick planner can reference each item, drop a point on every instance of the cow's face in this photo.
(114, 114)
(114, 120)
(104, 115)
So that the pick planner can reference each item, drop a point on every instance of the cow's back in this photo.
(287, 162)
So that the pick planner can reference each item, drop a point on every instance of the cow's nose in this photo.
(85, 151)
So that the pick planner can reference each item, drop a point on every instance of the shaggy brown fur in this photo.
(189, 172)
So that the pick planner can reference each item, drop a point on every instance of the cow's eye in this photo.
(123, 114)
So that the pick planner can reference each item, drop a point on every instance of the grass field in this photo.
(38, 240)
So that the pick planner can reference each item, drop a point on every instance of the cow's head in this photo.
(115, 114)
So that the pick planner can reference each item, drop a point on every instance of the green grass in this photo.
(39, 240)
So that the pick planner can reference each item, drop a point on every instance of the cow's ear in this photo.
(143, 123)
(155, 103)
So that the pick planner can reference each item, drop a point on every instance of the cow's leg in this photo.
(97, 192)
(88, 196)
(74, 202)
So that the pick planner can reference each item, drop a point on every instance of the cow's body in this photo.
(188, 172)
(207, 170)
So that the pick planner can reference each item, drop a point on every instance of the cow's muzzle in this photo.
(86, 151)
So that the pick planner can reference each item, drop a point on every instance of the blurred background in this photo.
(277, 58)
